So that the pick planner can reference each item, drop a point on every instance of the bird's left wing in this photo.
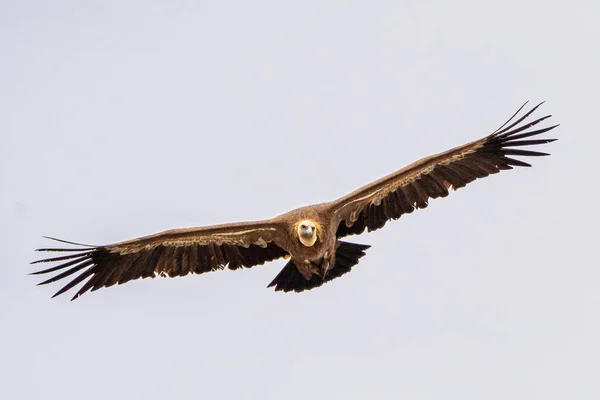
(371, 206)
(171, 253)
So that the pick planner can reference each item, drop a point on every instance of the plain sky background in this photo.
(124, 118)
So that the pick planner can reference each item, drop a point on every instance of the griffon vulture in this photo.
(308, 236)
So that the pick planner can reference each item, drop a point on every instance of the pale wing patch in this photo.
(377, 196)
(233, 238)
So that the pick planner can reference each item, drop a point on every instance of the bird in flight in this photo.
(309, 237)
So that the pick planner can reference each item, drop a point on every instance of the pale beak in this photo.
(310, 231)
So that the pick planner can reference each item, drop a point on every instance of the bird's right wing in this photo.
(171, 253)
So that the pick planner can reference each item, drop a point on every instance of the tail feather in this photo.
(346, 256)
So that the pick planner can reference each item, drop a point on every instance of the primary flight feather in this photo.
(308, 236)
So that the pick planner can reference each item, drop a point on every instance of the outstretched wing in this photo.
(171, 253)
(371, 206)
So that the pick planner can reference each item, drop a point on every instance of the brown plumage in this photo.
(308, 236)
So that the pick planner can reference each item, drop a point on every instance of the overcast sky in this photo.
(124, 118)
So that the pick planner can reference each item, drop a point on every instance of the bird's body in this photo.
(308, 236)
(315, 258)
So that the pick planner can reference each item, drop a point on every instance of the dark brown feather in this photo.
(346, 256)
(412, 187)
(105, 266)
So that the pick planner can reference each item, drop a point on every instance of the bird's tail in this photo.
(346, 256)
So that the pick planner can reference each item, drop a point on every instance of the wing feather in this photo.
(170, 253)
(399, 193)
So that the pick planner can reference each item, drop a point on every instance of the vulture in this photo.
(308, 237)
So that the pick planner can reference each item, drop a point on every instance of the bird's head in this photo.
(307, 232)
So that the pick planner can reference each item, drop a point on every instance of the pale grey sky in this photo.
(125, 118)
